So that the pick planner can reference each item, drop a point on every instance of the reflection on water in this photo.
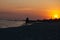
(6, 24)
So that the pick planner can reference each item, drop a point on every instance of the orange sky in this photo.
(34, 9)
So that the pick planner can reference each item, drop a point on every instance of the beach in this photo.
(36, 31)
(7, 24)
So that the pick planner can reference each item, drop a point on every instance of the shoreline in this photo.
(36, 31)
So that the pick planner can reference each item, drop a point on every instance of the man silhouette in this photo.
(27, 20)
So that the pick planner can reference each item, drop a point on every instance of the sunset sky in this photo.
(34, 9)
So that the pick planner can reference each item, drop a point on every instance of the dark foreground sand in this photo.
(36, 31)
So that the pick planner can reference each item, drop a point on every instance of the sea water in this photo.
(6, 24)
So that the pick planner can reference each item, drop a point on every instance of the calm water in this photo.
(6, 24)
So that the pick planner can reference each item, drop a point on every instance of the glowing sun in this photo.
(55, 16)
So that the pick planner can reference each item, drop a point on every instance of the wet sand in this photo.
(36, 31)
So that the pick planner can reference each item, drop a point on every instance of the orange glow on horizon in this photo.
(54, 14)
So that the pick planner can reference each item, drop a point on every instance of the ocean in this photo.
(7, 24)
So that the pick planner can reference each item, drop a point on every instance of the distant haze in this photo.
(34, 9)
